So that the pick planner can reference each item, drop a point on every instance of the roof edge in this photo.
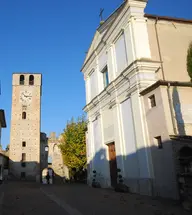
(167, 18)
(97, 30)
(165, 83)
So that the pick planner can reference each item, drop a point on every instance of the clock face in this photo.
(26, 97)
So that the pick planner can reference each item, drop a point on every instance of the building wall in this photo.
(43, 152)
(118, 113)
(174, 40)
(115, 112)
(158, 122)
(27, 130)
(163, 159)
(57, 163)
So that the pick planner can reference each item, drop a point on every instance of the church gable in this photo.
(102, 30)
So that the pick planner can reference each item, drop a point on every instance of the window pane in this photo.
(158, 142)
(152, 101)
(31, 80)
(22, 79)
(105, 77)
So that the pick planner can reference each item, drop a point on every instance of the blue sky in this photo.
(51, 37)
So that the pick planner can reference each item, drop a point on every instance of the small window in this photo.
(23, 164)
(23, 175)
(31, 80)
(24, 115)
(23, 159)
(105, 77)
(23, 144)
(22, 79)
(152, 101)
(158, 142)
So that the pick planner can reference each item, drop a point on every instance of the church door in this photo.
(113, 164)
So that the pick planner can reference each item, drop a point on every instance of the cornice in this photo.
(132, 69)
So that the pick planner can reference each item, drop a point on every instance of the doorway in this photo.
(112, 164)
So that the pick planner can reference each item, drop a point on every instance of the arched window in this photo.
(24, 115)
(22, 79)
(31, 80)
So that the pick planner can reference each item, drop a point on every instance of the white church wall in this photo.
(141, 40)
(93, 84)
(120, 54)
(110, 64)
(145, 177)
(131, 162)
(118, 139)
(102, 63)
(102, 60)
(90, 152)
(129, 43)
(122, 123)
(100, 156)
(108, 125)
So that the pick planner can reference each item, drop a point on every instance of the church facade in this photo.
(138, 100)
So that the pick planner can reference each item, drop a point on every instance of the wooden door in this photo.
(113, 164)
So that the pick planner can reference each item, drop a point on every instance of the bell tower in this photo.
(25, 126)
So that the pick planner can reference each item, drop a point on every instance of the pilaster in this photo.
(138, 30)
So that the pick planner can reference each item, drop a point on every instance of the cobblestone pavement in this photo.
(90, 201)
(18, 198)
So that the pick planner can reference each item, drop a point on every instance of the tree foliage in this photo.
(73, 144)
(7, 148)
(189, 61)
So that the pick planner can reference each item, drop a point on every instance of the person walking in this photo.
(47, 176)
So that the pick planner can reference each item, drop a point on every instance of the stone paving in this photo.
(26, 199)
(90, 201)
(17, 198)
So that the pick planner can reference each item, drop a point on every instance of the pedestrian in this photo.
(48, 177)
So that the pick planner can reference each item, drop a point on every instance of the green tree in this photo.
(73, 144)
(189, 61)
(7, 148)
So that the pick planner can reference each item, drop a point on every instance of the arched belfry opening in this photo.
(31, 80)
(22, 80)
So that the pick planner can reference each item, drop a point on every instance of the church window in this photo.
(23, 144)
(24, 115)
(105, 77)
(31, 80)
(158, 142)
(22, 79)
(152, 101)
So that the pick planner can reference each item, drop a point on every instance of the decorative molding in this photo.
(122, 79)
(112, 104)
